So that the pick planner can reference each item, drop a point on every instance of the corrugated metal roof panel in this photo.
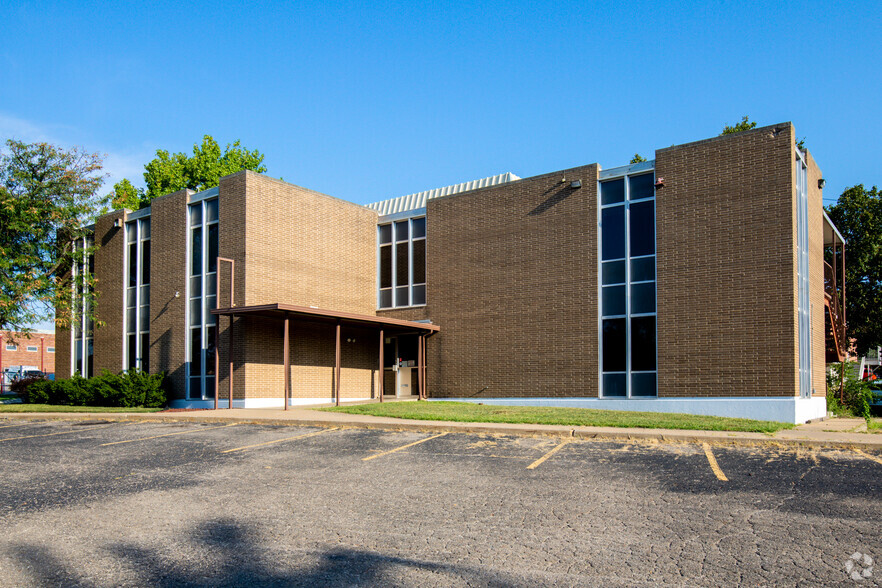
(418, 200)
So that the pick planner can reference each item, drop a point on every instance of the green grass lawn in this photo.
(874, 426)
(62, 408)
(543, 415)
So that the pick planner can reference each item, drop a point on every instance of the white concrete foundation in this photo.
(787, 410)
(259, 402)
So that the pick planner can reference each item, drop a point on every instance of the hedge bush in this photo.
(126, 389)
(857, 395)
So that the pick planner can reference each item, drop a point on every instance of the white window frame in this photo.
(411, 285)
(50, 350)
(140, 226)
(11, 347)
(626, 173)
(85, 343)
(207, 281)
(33, 348)
(802, 276)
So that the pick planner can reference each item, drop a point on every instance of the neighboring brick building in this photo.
(691, 283)
(18, 349)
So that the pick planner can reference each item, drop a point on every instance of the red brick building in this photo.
(34, 352)
(703, 281)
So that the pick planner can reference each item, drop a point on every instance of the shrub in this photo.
(126, 389)
(20, 385)
(856, 393)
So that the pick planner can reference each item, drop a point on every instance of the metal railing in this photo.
(834, 304)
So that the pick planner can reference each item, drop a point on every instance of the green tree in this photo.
(858, 216)
(47, 197)
(170, 172)
(638, 158)
(745, 125)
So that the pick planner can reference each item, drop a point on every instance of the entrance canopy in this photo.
(286, 312)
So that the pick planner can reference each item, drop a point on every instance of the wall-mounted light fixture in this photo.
(576, 184)
(660, 183)
(821, 183)
(117, 223)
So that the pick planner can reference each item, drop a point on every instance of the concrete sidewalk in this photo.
(833, 433)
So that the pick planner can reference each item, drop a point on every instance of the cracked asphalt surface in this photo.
(79, 508)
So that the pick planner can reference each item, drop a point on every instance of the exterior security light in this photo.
(660, 183)
(576, 184)
(117, 223)
(821, 183)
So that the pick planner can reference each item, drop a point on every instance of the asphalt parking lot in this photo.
(100, 503)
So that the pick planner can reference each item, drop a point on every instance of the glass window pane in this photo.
(145, 262)
(211, 285)
(401, 265)
(209, 388)
(401, 230)
(643, 298)
(614, 385)
(132, 356)
(144, 318)
(386, 266)
(196, 252)
(145, 228)
(643, 343)
(196, 215)
(210, 304)
(196, 388)
(614, 348)
(195, 352)
(131, 234)
(612, 191)
(613, 272)
(131, 326)
(419, 295)
(419, 227)
(195, 286)
(643, 269)
(145, 352)
(401, 296)
(386, 298)
(613, 300)
(643, 384)
(133, 264)
(642, 228)
(196, 311)
(641, 186)
(211, 212)
(419, 261)
(212, 247)
(612, 223)
(145, 295)
(130, 297)
(385, 233)
(209, 355)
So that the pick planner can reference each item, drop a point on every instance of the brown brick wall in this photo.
(21, 356)
(816, 275)
(62, 354)
(109, 275)
(726, 266)
(512, 281)
(168, 275)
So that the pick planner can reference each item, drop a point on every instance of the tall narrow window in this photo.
(802, 269)
(402, 263)
(627, 286)
(82, 328)
(202, 297)
(137, 317)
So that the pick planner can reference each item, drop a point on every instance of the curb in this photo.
(583, 433)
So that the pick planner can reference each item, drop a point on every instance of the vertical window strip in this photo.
(401, 263)
(202, 253)
(628, 300)
(137, 295)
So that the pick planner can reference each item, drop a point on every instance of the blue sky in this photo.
(367, 101)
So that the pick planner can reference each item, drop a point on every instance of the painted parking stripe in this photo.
(713, 463)
(168, 434)
(59, 433)
(21, 424)
(868, 456)
(303, 436)
(402, 447)
(542, 459)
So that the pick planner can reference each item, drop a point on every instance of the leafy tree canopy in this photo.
(638, 158)
(745, 125)
(858, 216)
(47, 197)
(170, 172)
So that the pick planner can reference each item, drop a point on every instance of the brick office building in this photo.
(702, 281)
(34, 352)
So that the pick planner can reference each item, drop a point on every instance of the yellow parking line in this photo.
(168, 435)
(868, 456)
(21, 424)
(402, 447)
(59, 433)
(542, 459)
(303, 436)
(713, 464)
